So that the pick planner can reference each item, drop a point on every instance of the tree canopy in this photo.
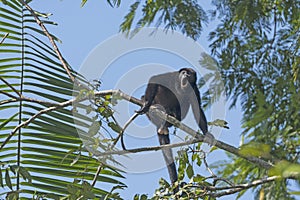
(46, 143)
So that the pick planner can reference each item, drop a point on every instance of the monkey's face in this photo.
(187, 77)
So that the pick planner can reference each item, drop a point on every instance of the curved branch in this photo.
(188, 130)
(28, 121)
(118, 93)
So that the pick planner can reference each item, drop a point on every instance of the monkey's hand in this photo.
(144, 109)
(209, 138)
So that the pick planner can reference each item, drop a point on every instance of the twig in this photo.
(28, 121)
(57, 51)
(121, 134)
(212, 191)
(7, 101)
(46, 110)
(23, 98)
(188, 130)
(9, 95)
(238, 188)
(207, 167)
(198, 137)
(142, 149)
(5, 36)
(9, 85)
(100, 167)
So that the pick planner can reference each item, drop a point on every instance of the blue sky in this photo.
(82, 29)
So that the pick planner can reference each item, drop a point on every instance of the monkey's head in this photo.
(187, 77)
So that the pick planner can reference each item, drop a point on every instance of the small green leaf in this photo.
(83, 2)
(198, 178)
(295, 193)
(115, 127)
(199, 161)
(136, 197)
(190, 171)
(213, 149)
(7, 179)
(219, 122)
(144, 197)
(14, 168)
(1, 177)
(7, 121)
(25, 174)
(194, 157)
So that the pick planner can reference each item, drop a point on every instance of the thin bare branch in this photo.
(188, 130)
(28, 121)
(23, 98)
(142, 149)
(6, 101)
(197, 137)
(121, 134)
(57, 51)
(100, 167)
(8, 94)
(240, 187)
(11, 87)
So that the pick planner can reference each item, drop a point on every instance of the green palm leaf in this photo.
(44, 158)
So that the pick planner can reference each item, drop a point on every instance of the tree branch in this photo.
(57, 51)
(5, 36)
(119, 94)
(11, 87)
(188, 130)
(54, 106)
(240, 187)
(28, 121)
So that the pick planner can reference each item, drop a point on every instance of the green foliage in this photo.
(255, 149)
(256, 46)
(46, 158)
(285, 169)
(219, 122)
(140, 197)
(184, 15)
(112, 3)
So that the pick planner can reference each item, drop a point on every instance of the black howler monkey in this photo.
(173, 93)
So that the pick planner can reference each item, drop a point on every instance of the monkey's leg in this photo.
(168, 155)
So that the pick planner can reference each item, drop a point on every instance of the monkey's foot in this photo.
(143, 110)
(163, 131)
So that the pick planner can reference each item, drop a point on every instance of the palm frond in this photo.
(45, 158)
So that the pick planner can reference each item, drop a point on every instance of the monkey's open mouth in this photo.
(184, 82)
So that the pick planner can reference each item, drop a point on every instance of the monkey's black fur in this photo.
(173, 93)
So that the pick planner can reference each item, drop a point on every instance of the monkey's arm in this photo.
(197, 111)
(148, 97)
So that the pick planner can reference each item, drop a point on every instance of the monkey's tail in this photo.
(168, 156)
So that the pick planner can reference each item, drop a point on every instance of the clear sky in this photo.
(82, 29)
